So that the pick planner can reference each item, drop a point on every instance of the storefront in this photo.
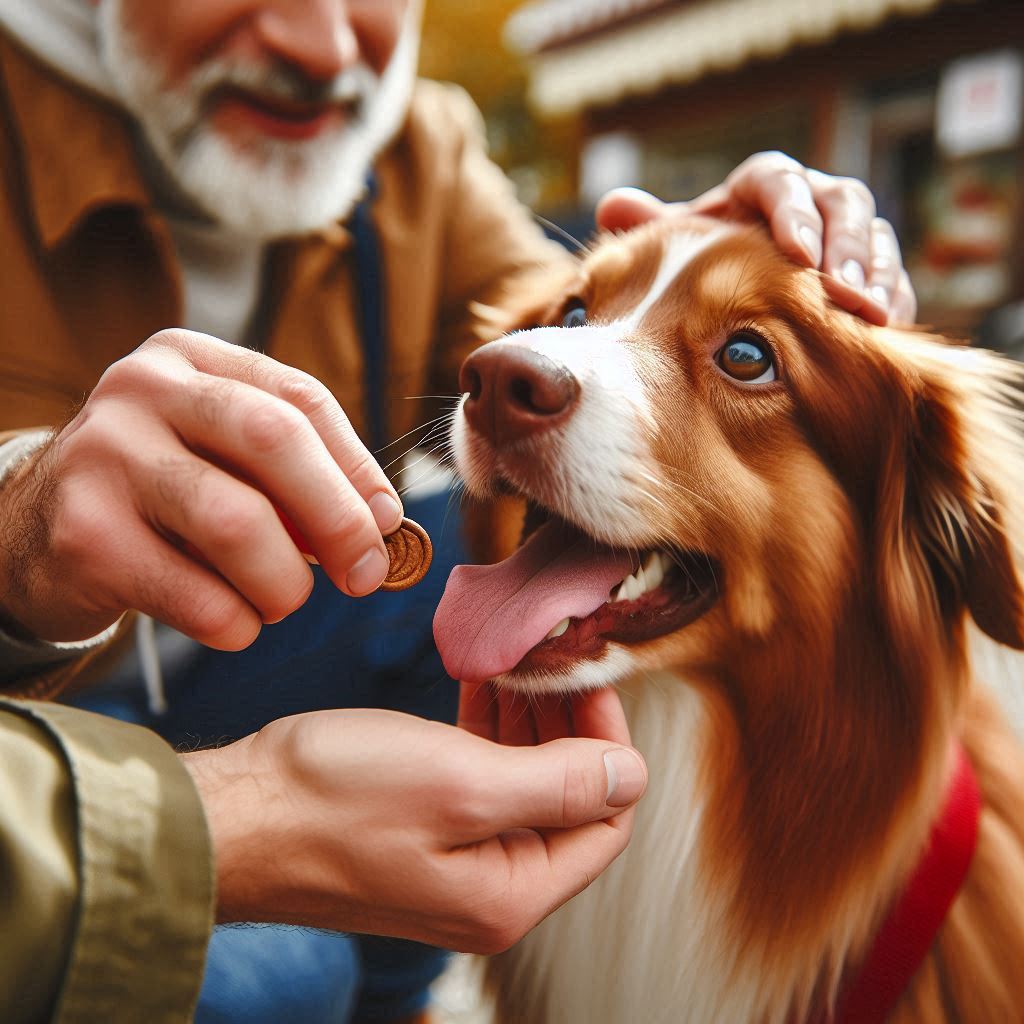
(921, 98)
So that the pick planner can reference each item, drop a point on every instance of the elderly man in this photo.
(269, 172)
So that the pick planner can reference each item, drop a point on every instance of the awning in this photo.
(621, 55)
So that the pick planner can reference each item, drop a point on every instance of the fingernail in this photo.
(853, 274)
(627, 777)
(880, 295)
(368, 573)
(812, 244)
(387, 513)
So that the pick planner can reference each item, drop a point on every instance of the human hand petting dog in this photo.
(818, 220)
(379, 822)
(160, 495)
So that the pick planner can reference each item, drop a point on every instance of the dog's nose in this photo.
(515, 392)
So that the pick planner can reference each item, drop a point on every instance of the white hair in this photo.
(274, 187)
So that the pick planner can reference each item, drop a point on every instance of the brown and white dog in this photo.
(768, 523)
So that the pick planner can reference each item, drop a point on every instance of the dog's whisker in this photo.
(425, 453)
(430, 426)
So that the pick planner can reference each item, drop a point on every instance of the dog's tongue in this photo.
(491, 615)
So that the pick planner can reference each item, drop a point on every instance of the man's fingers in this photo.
(848, 209)
(516, 725)
(234, 529)
(888, 283)
(552, 715)
(904, 304)
(304, 392)
(516, 879)
(549, 867)
(777, 188)
(478, 710)
(273, 446)
(599, 714)
(171, 587)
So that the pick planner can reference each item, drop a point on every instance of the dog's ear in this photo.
(950, 503)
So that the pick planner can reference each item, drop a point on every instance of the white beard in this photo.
(270, 188)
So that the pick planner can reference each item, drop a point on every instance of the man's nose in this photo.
(316, 36)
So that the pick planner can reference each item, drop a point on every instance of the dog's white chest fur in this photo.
(644, 942)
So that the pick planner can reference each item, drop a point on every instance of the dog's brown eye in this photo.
(575, 314)
(746, 358)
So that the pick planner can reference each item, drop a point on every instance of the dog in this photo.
(773, 526)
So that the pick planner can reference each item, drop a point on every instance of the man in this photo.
(201, 166)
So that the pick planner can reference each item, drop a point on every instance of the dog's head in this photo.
(724, 471)
(792, 511)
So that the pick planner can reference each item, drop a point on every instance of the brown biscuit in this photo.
(410, 551)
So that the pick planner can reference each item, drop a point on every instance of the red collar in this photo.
(907, 933)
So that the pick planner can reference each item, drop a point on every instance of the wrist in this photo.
(24, 502)
(234, 802)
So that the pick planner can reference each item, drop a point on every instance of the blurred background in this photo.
(922, 99)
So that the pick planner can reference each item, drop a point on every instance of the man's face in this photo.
(267, 113)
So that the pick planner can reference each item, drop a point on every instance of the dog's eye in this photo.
(746, 358)
(575, 314)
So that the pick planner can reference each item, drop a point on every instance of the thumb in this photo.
(564, 783)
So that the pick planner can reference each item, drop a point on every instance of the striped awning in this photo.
(585, 53)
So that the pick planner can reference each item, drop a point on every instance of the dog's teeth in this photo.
(654, 570)
(647, 577)
(557, 630)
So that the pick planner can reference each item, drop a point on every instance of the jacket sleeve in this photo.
(106, 871)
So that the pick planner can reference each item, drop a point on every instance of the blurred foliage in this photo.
(462, 43)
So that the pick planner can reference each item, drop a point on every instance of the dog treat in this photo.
(410, 551)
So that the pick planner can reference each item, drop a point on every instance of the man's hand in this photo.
(379, 822)
(161, 495)
(817, 219)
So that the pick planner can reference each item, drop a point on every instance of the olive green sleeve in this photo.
(105, 868)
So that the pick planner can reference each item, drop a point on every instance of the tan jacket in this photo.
(89, 272)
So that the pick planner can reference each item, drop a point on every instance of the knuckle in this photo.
(466, 810)
(852, 192)
(288, 600)
(849, 234)
(211, 398)
(351, 528)
(178, 480)
(770, 161)
(176, 340)
(124, 375)
(79, 537)
(304, 392)
(271, 427)
(215, 616)
(360, 466)
(231, 523)
(807, 216)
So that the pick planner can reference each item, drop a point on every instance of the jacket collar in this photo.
(76, 147)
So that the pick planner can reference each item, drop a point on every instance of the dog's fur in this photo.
(856, 512)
